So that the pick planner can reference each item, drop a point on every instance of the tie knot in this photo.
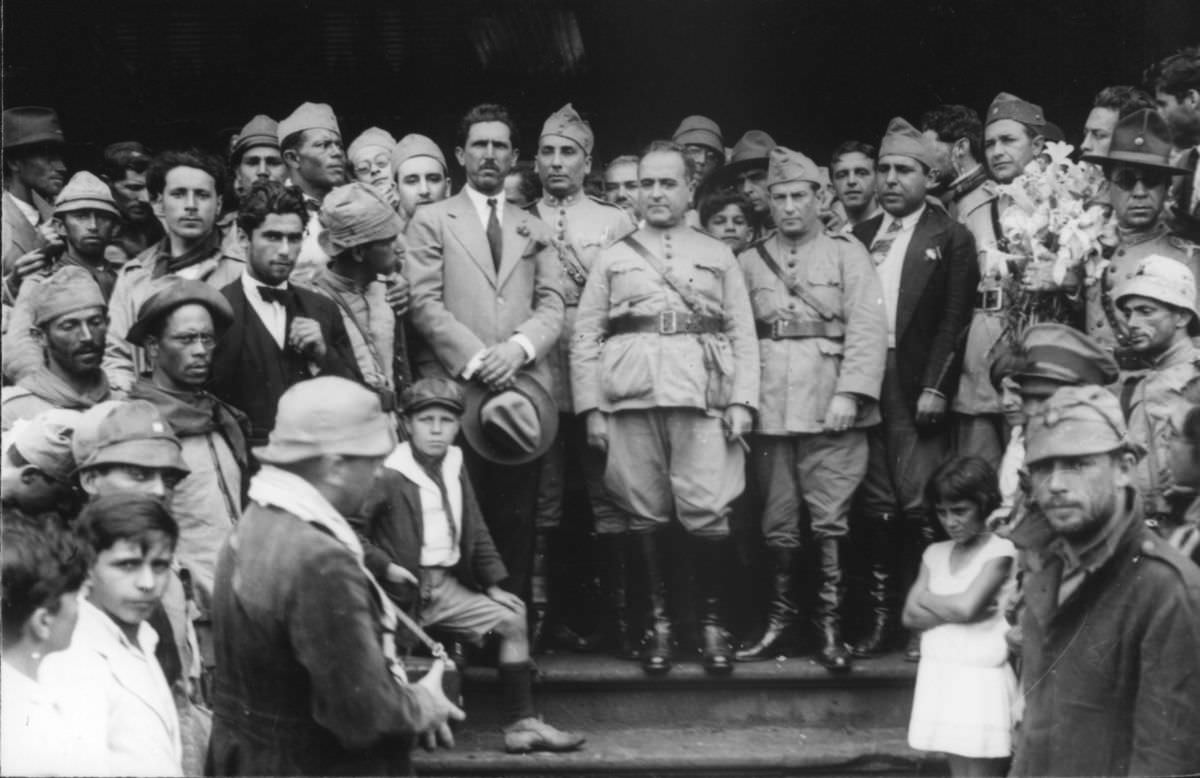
(491, 202)
(271, 294)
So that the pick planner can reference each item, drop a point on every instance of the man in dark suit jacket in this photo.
(927, 267)
(281, 334)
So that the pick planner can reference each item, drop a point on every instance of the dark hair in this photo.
(530, 186)
(965, 478)
(714, 203)
(670, 147)
(1177, 73)
(487, 112)
(1005, 364)
(1123, 99)
(853, 147)
(951, 123)
(624, 159)
(267, 197)
(166, 161)
(124, 516)
(40, 564)
(119, 157)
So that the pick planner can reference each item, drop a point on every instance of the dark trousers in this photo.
(508, 499)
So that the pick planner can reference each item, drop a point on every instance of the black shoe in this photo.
(659, 647)
(778, 638)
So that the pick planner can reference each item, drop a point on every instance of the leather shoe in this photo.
(533, 734)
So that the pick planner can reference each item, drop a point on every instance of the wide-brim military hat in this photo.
(1143, 139)
(752, 152)
(512, 426)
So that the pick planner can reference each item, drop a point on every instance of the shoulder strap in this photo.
(656, 265)
(348, 315)
(796, 288)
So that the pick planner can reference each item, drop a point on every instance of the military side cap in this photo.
(45, 441)
(415, 145)
(906, 140)
(262, 130)
(1166, 280)
(1076, 421)
(787, 165)
(309, 116)
(427, 392)
(700, 130)
(135, 433)
(177, 293)
(327, 415)
(567, 123)
(29, 124)
(1143, 139)
(1009, 106)
(513, 426)
(1062, 354)
(87, 428)
(67, 290)
(354, 214)
(85, 192)
(372, 136)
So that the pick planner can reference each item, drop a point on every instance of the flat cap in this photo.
(701, 131)
(1009, 106)
(45, 441)
(1143, 139)
(415, 145)
(354, 214)
(907, 141)
(432, 391)
(262, 130)
(787, 165)
(177, 293)
(69, 289)
(1062, 354)
(135, 433)
(309, 116)
(372, 136)
(85, 192)
(327, 415)
(29, 124)
(1076, 421)
(567, 123)
(1166, 280)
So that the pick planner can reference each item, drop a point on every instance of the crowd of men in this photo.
(365, 398)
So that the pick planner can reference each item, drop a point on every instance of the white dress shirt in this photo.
(892, 267)
(272, 314)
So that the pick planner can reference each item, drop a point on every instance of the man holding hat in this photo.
(1112, 621)
(304, 635)
(1158, 304)
(311, 143)
(34, 174)
(69, 322)
(746, 173)
(582, 227)
(664, 367)
(85, 217)
(424, 536)
(124, 168)
(927, 268)
(1137, 167)
(703, 143)
(822, 340)
(255, 156)
(420, 174)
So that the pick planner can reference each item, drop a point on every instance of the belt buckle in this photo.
(668, 323)
(777, 328)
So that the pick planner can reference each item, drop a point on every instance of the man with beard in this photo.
(34, 174)
(69, 321)
(85, 217)
(185, 190)
(957, 135)
(1176, 84)
(621, 184)
(852, 173)
(419, 168)
(124, 168)
(746, 172)
(311, 142)
(1138, 170)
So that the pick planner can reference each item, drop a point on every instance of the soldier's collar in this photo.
(1132, 238)
(967, 183)
(562, 202)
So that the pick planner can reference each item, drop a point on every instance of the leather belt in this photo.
(794, 328)
(667, 323)
(989, 300)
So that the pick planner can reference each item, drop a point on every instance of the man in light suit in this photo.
(927, 267)
(487, 299)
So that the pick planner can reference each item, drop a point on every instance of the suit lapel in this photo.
(917, 269)
(514, 242)
(135, 675)
(24, 235)
(466, 229)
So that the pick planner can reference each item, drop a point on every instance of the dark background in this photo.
(811, 73)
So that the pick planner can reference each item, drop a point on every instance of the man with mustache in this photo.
(124, 168)
(311, 142)
(1138, 169)
(69, 320)
(34, 174)
(621, 184)
(281, 333)
(255, 155)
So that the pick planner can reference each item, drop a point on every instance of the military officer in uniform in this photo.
(582, 226)
(1139, 173)
(822, 339)
(664, 365)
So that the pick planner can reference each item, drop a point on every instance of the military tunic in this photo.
(666, 393)
(795, 458)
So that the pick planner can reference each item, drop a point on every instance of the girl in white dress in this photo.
(965, 691)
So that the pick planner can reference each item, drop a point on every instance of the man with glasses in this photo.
(703, 144)
(1139, 172)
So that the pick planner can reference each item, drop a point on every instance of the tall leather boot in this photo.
(614, 572)
(711, 564)
(833, 654)
(781, 613)
(658, 645)
(553, 572)
(877, 547)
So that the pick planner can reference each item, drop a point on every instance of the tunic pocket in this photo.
(718, 362)
(627, 369)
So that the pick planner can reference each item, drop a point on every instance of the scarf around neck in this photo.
(196, 413)
(54, 390)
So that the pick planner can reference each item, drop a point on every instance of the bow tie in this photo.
(272, 295)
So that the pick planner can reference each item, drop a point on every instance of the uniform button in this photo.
(1147, 546)
(792, 263)
(1120, 252)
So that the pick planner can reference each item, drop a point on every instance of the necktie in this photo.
(494, 238)
(272, 295)
(883, 243)
(433, 469)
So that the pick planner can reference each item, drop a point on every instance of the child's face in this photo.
(961, 519)
(432, 430)
(127, 582)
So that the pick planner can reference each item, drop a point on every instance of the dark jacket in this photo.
(392, 530)
(250, 372)
(937, 298)
(1112, 676)
(302, 686)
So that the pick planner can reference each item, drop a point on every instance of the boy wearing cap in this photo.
(34, 174)
(424, 535)
(1112, 620)
(419, 168)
